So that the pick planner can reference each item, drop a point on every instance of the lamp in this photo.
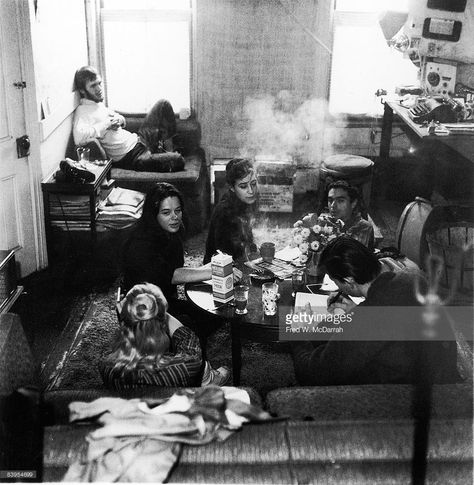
(391, 23)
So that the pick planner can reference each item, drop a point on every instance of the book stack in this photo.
(69, 211)
(121, 208)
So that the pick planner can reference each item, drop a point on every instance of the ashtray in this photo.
(260, 277)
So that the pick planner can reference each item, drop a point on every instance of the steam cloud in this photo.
(284, 127)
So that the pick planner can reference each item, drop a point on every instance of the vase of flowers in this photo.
(311, 235)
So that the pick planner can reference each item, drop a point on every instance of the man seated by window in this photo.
(344, 202)
(384, 339)
(94, 121)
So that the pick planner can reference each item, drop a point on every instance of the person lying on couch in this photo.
(382, 342)
(153, 348)
(94, 121)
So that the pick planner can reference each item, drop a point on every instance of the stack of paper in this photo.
(121, 209)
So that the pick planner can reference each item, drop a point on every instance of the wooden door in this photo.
(18, 227)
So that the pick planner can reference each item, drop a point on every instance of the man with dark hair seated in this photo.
(94, 121)
(344, 202)
(382, 341)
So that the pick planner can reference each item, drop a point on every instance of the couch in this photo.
(330, 434)
(341, 434)
(193, 181)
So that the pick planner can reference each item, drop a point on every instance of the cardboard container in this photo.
(222, 278)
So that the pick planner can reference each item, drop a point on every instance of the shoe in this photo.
(216, 377)
(74, 173)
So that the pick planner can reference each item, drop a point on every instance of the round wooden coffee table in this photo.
(254, 325)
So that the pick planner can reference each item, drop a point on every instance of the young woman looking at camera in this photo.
(230, 229)
(154, 252)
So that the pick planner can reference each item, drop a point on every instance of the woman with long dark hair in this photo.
(154, 252)
(230, 229)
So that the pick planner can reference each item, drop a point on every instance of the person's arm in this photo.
(86, 128)
(191, 275)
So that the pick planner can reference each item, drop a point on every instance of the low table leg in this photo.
(236, 351)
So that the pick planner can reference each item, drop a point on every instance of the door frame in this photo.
(25, 13)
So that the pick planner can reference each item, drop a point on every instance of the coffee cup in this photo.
(267, 251)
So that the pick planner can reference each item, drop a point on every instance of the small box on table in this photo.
(222, 277)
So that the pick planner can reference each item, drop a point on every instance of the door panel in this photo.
(17, 227)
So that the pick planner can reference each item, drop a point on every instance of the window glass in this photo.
(362, 61)
(146, 54)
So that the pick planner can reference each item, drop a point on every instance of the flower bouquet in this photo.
(311, 234)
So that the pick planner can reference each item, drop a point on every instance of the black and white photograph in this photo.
(237, 241)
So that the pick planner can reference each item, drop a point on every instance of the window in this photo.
(362, 62)
(146, 49)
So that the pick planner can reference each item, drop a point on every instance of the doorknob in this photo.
(23, 146)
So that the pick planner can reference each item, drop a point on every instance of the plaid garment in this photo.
(180, 368)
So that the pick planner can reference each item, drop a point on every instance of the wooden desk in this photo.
(453, 154)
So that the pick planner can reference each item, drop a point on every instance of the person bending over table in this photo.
(154, 252)
(230, 229)
(391, 346)
(153, 348)
(94, 121)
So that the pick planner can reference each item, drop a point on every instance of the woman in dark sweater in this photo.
(154, 252)
(230, 229)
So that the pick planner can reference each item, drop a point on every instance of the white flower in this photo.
(315, 245)
(304, 246)
(331, 237)
(316, 228)
(296, 230)
(305, 232)
(298, 223)
(303, 258)
(329, 229)
(293, 244)
(298, 239)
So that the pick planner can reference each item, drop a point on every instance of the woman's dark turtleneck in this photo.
(230, 227)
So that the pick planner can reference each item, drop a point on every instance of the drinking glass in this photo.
(298, 281)
(269, 298)
(82, 155)
(241, 296)
(267, 251)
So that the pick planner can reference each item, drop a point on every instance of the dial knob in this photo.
(433, 78)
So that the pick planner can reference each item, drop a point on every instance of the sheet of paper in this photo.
(288, 254)
(302, 300)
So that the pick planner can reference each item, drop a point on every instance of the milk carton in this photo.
(222, 277)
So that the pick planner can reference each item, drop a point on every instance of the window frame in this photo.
(159, 15)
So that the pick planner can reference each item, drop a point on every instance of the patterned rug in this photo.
(74, 363)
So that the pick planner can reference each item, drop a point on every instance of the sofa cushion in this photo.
(367, 401)
(55, 403)
(363, 452)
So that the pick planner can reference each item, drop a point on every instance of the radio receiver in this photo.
(439, 79)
